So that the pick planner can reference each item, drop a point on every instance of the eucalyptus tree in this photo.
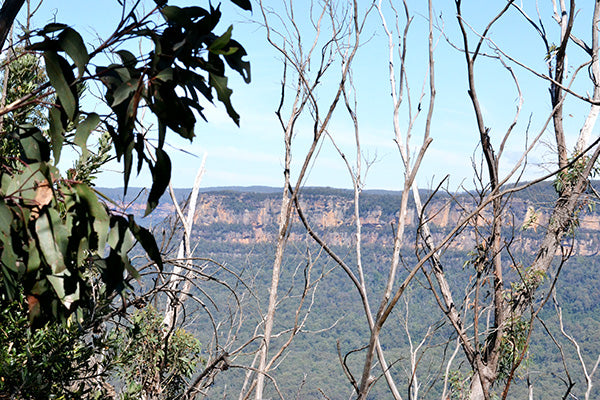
(64, 254)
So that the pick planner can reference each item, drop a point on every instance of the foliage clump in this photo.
(143, 360)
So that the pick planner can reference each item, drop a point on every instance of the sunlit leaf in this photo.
(47, 230)
(221, 41)
(84, 129)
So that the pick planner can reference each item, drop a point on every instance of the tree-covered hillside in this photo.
(235, 254)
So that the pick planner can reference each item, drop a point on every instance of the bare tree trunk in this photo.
(284, 221)
(181, 272)
(590, 121)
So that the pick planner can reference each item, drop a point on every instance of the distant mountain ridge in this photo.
(249, 215)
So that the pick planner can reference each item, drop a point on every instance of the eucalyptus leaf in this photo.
(235, 62)
(83, 131)
(53, 27)
(56, 131)
(71, 42)
(161, 176)
(146, 239)
(224, 95)
(101, 222)
(34, 146)
(128, 59)
(49, 241)
(244, 4)
(56, 74)
(6, 219)
(222, 41)
(165, 75)
(124, 91)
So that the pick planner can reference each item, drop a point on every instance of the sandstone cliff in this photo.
(250, 217)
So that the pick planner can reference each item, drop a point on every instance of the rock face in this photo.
(250, 217)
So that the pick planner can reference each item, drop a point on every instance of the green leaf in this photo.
(56, 132)
(24, 184)
(183, 16)
(82, 250)
(56, 74)
(162, 132)
(9, 258)
(60, 284)
(222, 41)
(71, 42)
(47, 228)
(84, 129)
(6, 219)
(165, 75)
(101, 222)
(146, 239)
(33, 256)
(33, 144)
(127, 58)
(175, 14)
(127, 164)
(161, 175)
(124, 91)
(224, 95)
(172, 110)
(112, 275)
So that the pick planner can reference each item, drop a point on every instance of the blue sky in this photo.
(253, 153)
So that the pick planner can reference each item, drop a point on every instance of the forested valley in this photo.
(234, 233)
(473, 278)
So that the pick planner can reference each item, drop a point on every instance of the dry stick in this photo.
(468, 217)
(177, 295)
(485, 367)
(356, 178)
(357, 185)
(590, 121)
(588, 375)
(286, 207)
(184, 253)
(410, 175)
(534, 315)
(5, 84)
(319, 129)
(566, 24)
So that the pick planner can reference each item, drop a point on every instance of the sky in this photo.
(253, 154)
